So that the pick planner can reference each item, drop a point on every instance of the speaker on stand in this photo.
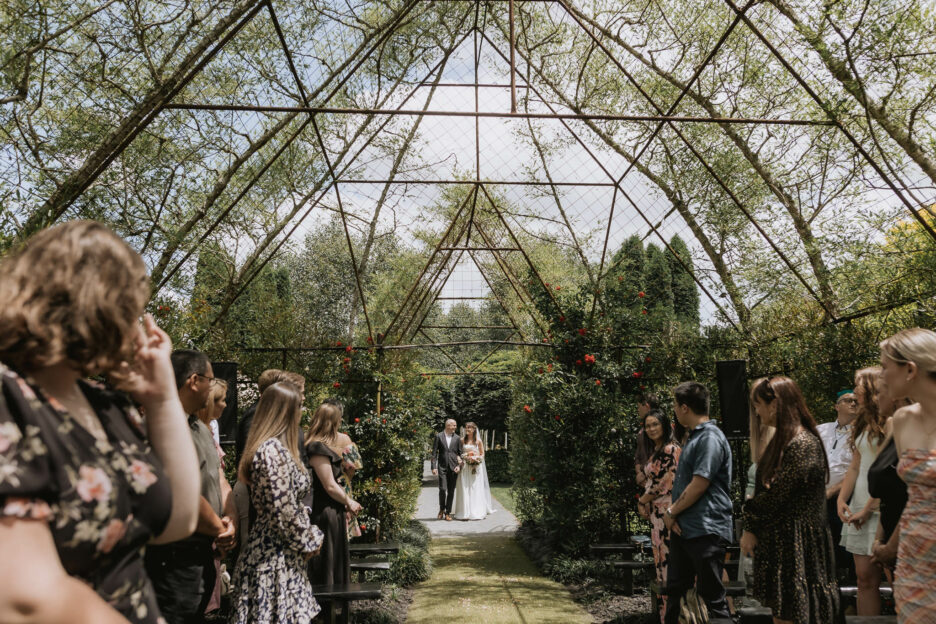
(733, 397)
(227, 423)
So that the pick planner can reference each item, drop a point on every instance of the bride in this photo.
(472, 492)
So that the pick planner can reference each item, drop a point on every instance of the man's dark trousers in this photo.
(447, 479)
(698, 562)
(183, 577)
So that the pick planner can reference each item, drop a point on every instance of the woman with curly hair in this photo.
(857, 509)
(85, 484)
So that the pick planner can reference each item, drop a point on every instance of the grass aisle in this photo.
(488, 578)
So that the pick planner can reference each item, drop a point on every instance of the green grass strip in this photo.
(488, 578)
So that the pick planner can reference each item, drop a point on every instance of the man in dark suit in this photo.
(446, 462)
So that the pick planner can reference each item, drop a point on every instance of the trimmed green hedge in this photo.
(498, 465)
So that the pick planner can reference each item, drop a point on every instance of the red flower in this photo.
(338, 344)
(377, 479)
(620, 278)
(558, 287)
(384, 421)
(589, 359)
(582, 331)
(348, 348)
(526, 408)
(547, 284)
(562, 319)
(644, 311)
(643, 387)
(544, 340)
(641, 294)
(549, 367)
(357, 420)
(647, 359)
(370, 340)
(337, 384)
(638, 374)
(541, 371)
(578, 362)
(363, 527)
(558, 417)
(347, 360)
(597, 382)
(532, 479)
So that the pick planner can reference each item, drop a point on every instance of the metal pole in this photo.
(513, 68)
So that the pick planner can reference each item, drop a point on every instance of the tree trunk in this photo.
(800, 224)
(853, 85)
(132, 124)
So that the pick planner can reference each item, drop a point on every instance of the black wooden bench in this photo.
(627, 563)
(369, 564)
(337, 598)
(748, 615)
(367, 550)
(851, 591)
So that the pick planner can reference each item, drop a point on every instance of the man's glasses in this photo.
(211, 380)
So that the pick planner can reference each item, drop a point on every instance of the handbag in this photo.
(692, 609)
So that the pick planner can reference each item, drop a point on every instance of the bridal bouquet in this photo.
(473, 460)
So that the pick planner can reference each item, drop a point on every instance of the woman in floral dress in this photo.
(270, 582)
(785, 524)
(84, 483)
(660, 470)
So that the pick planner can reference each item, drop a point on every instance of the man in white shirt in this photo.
(836, 438)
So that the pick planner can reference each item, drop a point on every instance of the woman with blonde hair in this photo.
(270, 584)
(324, 446)
(857, 509)
(908, 362)
(85, 483)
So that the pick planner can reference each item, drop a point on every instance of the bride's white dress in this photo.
(472, 491)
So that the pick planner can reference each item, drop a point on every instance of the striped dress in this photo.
(915, 584)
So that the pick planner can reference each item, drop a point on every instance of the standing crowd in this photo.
(114, 505)
(857, 493)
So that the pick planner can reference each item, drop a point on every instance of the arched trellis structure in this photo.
(471, 129)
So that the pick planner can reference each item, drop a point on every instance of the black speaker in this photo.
(227, 424)
(733, 396)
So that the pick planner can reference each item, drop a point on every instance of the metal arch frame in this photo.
(385, 30)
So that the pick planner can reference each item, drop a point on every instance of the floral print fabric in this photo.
(103, 499)
(270, 582)
(350, 461)
(660, 471)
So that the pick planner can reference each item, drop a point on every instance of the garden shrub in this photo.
(498, 465)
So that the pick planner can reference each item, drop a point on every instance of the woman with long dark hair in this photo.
(785, 527)
(270, 583)
(856, 507)
(659, 471)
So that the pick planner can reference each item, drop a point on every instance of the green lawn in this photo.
(501, 491)
(488, 579)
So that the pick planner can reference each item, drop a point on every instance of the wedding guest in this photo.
(329, 501)
(659, 471)
(209, 415)
(646, 402)
(886, 485)
(856, 508)
(759, 437)
(908, 360)
(266, 379)
(785, 529)
(85, 483)
(183, 573)
(270, 582)
(835, 437)
(699, 520)
(351, 462)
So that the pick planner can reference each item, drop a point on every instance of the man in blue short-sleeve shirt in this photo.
(699, 519)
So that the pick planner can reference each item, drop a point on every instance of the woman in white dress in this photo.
(472, 491)
(856, 508)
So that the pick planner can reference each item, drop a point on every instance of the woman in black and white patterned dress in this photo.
(270, 582)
